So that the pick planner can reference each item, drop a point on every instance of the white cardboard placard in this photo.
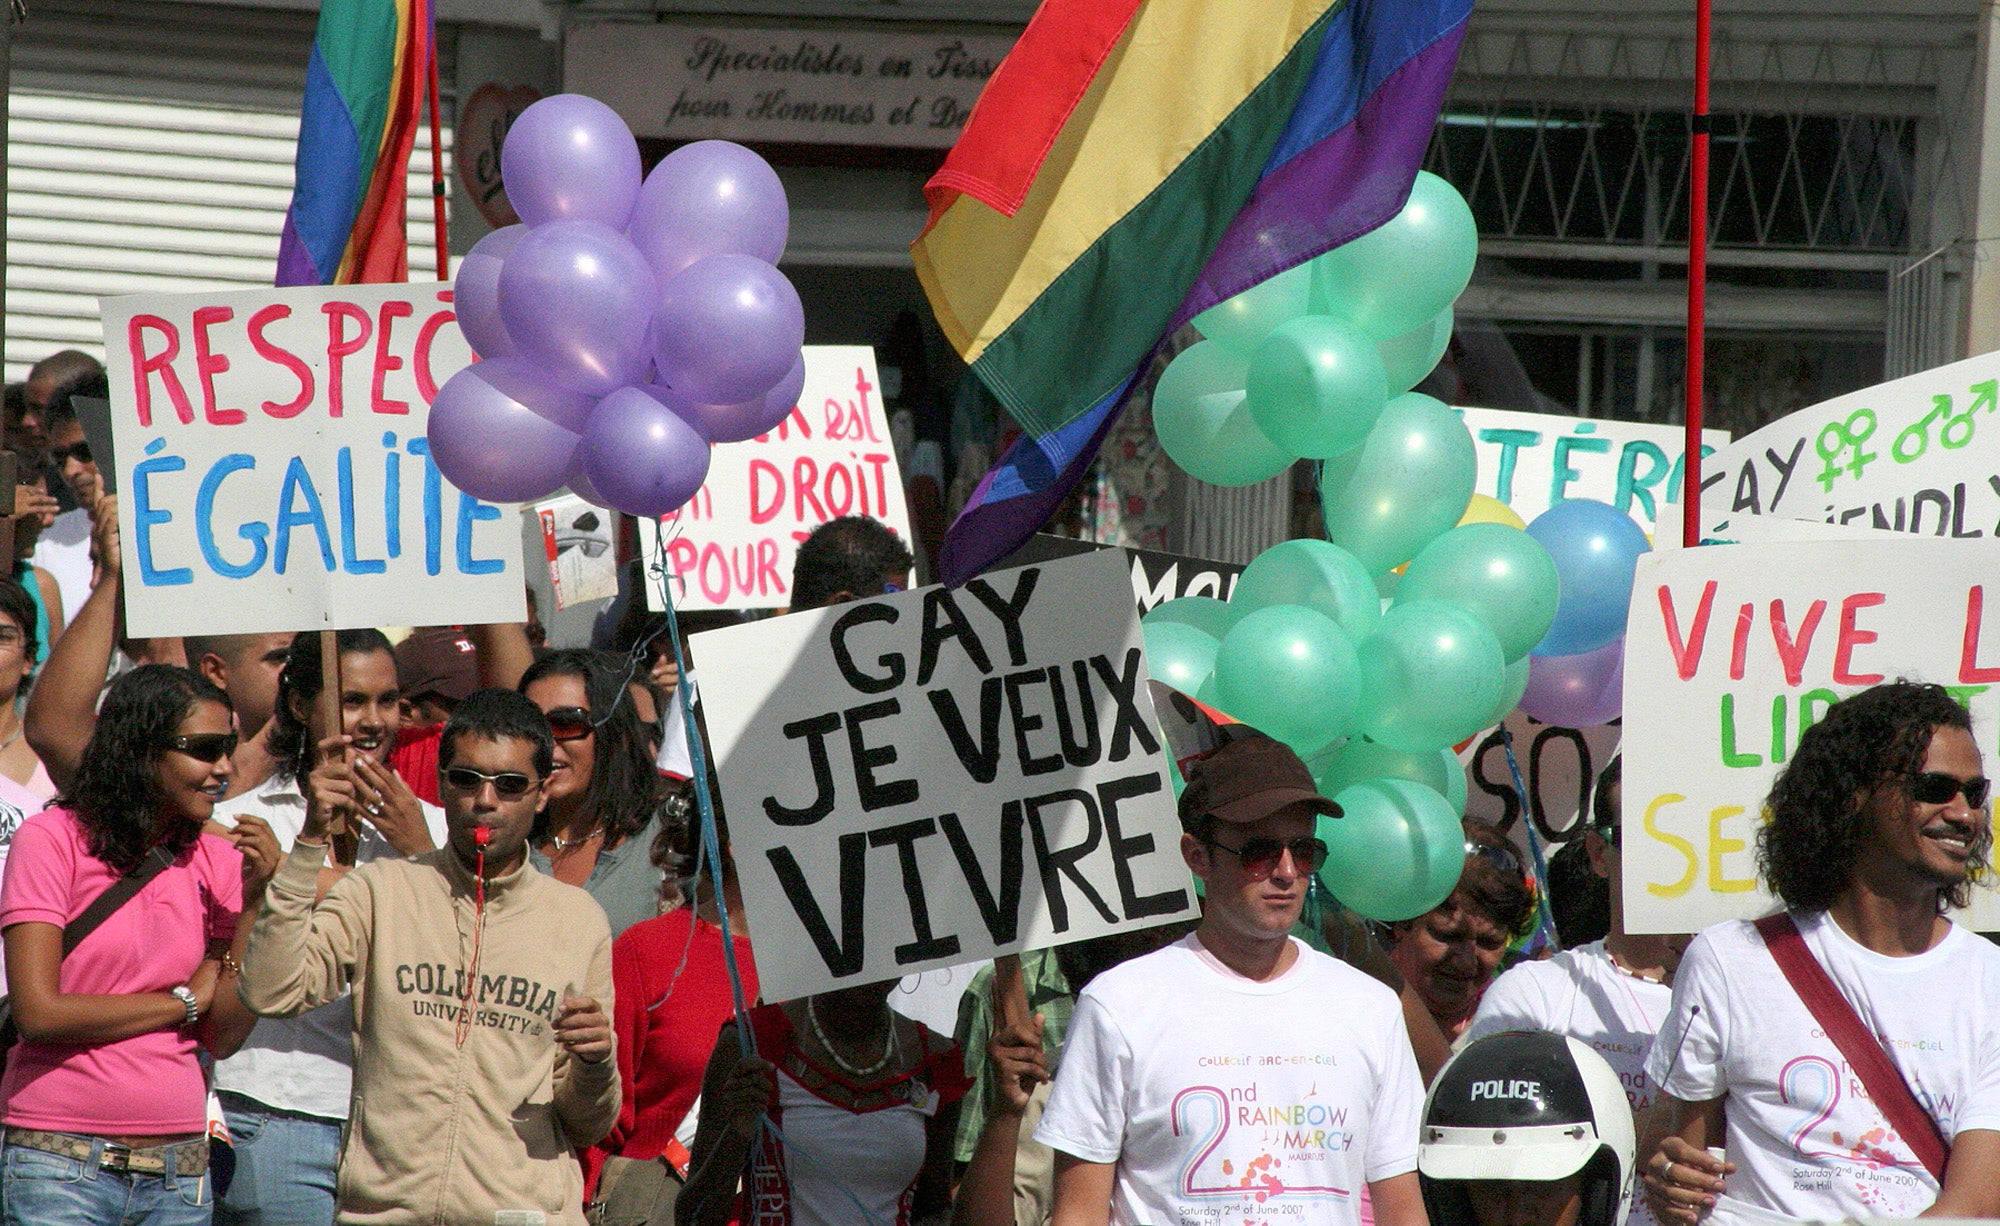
(731, 546)
(1531, 461)
(273, 468)
(933, 777)
(1731, 649)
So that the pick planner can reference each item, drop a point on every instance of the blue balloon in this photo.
(1596, 549)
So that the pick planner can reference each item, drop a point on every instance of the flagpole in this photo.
(1697, 278)
(437, 143)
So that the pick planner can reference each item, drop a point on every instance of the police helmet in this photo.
(1526, 1105)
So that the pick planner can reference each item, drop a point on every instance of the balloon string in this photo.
(1545, 924)
(711, 842)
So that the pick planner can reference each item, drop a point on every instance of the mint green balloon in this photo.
(1407, 358)
(1430, 676)
(1359, 760)
(1513, 684)
(1241, 323)
(1405, 271)
(1316, 386)
(1396, 853)
(1203, 424)
(1497, 571)
(1205, 613)
(1321, 576)
(1177, 655)
(1289, 672)
(1454, 779)
(1410, 481)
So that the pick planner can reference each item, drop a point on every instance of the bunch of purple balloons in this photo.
(623, 325)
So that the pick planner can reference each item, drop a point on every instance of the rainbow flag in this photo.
(364, 92)
(1133, 163)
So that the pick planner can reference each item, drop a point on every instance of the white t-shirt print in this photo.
(1806, 1139)
(1225, 1101)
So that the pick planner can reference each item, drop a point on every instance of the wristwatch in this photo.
(186, 996)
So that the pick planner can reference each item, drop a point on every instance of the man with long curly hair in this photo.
(1874, 832)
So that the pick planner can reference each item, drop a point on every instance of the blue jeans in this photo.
(285, 1165)
(40, 1189)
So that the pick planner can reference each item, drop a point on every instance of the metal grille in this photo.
(1616, 176)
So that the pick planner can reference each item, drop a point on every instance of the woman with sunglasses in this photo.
(600, 809)
(286, 1094)
(104, 1098)
(1451, 952)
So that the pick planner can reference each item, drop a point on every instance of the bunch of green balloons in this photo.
(1374, 698)
(1304, 363)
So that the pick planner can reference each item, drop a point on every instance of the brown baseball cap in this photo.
(1249, 779)
(437, 660)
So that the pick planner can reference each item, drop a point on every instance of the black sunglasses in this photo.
(204, 746)
(570, 723)
(1935, 788)
(79, 451)
(1261, 857)
(1500, 857)
(508, 785)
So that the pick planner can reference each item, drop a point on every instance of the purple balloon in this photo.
(476, 293)
(577, 298)
(733, 423)
(525, 383)
(1579, 691)
(572, 157)
(712, 197)
(492, 446)
(579, 484)
(728, 329)
(640, 455)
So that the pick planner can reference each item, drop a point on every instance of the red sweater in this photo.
(666, 1026)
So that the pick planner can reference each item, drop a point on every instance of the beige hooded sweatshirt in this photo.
(441, 1134)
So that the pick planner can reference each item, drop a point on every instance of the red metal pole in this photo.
(1697, 278)
(437, 144)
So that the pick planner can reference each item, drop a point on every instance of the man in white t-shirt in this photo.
(1611, 994)
(1876, 826)
(1238, 1077)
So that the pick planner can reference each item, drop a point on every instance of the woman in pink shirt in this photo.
(103, 1097)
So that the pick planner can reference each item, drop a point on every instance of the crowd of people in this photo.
(437, 936)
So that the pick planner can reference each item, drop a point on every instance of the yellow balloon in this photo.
(1484, 510)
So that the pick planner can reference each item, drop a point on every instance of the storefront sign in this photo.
(787, 84)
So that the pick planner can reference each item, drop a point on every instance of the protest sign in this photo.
(731, 546)
(1531, 461)
(271, 447)
(1559, 769)
(1733, 650)
(1156, 577)
(1919, 455)
(933, 777)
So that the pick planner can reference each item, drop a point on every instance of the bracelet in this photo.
(230, 966)
(185, 995)
(324, 840)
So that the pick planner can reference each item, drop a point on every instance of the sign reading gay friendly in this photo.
(933, 777)
(270, 446)
(1733, 651)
